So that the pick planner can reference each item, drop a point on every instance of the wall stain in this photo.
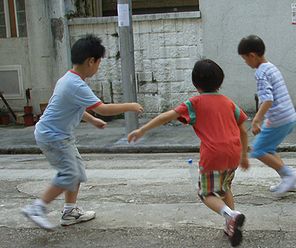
(57, 29)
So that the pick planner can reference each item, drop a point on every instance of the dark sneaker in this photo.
(233, 228)
(76, 215)
(37, 214)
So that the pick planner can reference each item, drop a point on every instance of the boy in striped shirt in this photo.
(277, 108)
(219, 123)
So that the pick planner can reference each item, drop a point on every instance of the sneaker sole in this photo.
(50, 229)
(76, 222)
(290, 190)
(282, 194)
(237, 237)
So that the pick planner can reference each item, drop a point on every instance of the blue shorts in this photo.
(267, 141)
(63, 155)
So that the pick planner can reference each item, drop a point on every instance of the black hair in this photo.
(207, 75)
(251, 44)
(87, 47)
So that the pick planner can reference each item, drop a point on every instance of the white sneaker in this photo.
(76, 215)
(274, 188)
(37, 214)
(287, 184)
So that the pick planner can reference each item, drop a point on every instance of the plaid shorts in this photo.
(215, 183)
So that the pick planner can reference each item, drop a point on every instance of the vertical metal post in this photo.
(124, 8)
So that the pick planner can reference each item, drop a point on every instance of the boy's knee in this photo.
(67, 181)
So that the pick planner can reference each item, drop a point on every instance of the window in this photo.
(109, 8)
(12, 18)
(11, 81)
(87, 8)
(2, 21)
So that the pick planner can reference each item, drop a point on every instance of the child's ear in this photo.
(92, 60)
(252, 55)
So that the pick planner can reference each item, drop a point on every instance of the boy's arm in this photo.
(156, 122)
(117, 108)
(93, 120)
(244, 141)
(256, 123)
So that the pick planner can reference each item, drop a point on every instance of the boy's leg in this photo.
(234, 219)
(228, 199)
(216, 204)
(264, 149)
(214, 184)
(51, 193)
(71, 197)
(287, 174)
(71, 213)
(37, 211)
(273, 161)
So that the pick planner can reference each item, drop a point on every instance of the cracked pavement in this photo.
(143, 200)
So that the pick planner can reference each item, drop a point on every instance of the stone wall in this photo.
(166, 47)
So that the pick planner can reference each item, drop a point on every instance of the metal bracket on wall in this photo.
(7, 105)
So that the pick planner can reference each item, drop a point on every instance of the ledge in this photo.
(148, 17)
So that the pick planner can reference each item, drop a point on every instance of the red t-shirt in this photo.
(215, 120)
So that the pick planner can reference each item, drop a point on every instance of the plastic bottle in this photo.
(293, 6)
(193, 173)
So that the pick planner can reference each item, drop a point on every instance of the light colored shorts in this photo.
(267, 141)
(63, 155)
(215, 183)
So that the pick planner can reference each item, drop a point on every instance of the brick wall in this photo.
(166, 47)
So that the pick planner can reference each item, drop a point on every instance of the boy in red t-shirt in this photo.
(219, 123)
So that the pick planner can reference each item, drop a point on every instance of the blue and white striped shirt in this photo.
(271, 87)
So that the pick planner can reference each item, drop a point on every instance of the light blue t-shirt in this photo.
(65, 109)
(271, 87)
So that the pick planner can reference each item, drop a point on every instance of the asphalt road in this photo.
(143, 200)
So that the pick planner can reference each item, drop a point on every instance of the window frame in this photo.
(18, 69)
(11, 19)
(157, 9)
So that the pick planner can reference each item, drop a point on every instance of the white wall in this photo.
(166, 48)
(41, 53)
(225, 22)
(15, 52)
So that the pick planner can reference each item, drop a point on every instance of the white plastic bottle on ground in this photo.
(193, 173)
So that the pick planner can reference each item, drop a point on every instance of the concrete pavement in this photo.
(168, 138)
(143, 200)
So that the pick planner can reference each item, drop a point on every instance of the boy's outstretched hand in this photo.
(135, 135)
(99, 123)
(244, 163)
(137, 108)
(256, 126)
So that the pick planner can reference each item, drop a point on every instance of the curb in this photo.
(129, 149)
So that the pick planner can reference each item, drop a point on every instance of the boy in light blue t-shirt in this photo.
(54, 133)
(277, 108)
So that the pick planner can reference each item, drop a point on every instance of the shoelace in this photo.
(39, 210)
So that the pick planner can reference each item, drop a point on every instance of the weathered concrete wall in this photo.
(225, 22)
(43, 55)
(166, 48)
(40, 44)
(15, 52)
